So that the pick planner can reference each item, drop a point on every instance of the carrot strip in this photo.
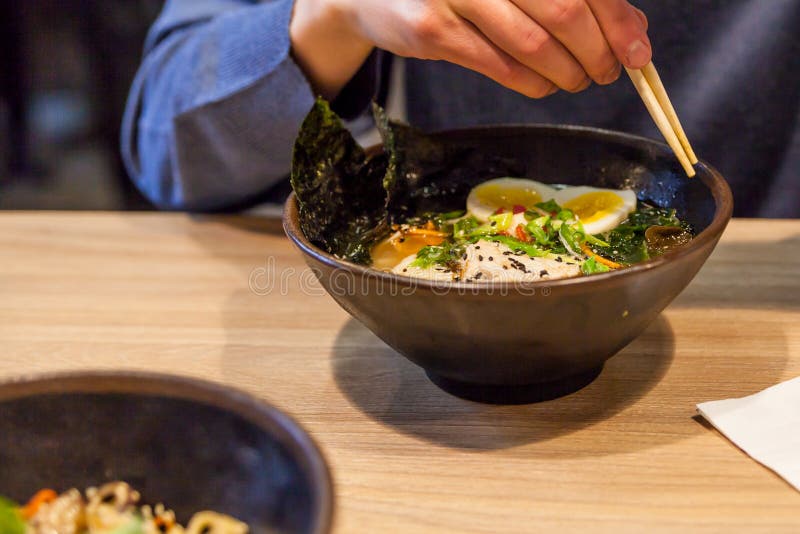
(423, 231)
(522, 235)
(42, 496)
(600, 259)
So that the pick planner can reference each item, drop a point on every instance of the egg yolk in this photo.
(504, 197)
(393, 250)
(591, 207)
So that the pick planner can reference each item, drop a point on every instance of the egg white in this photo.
(482, 207)
(609, 216)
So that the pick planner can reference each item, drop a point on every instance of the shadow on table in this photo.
(633, 395)
(395, 392)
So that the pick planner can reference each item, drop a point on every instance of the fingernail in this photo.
(638, 55)
(612, 75)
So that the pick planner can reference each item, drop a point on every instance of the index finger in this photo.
(624, 30)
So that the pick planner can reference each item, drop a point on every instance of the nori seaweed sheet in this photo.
(348, 201)
(339, 190)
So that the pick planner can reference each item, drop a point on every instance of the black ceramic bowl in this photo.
(519, 343)
(190, 444)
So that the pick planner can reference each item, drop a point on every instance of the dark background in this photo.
(65, 69)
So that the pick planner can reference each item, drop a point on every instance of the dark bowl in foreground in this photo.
(521, 343)
(190, 444)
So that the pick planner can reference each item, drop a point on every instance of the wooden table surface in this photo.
(229, 299)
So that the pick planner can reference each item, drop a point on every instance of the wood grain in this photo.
(191, 295)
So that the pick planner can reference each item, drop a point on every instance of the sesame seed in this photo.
(480, 258)
(491, 258)
(543, 273)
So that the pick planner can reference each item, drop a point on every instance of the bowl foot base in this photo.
(520, 394)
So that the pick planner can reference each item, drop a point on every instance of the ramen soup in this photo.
(428, 207)
(113, 508)
(515, 229)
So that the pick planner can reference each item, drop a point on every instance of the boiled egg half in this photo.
(600, 210)
(505, 193)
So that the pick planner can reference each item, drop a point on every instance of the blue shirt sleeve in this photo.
(216, 105)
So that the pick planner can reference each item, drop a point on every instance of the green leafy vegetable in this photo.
(445, 254)
(627, 243)
(592, 266)
(538, 229)
(647, 216)
(11, 521)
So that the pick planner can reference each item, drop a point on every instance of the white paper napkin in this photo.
(765, 425)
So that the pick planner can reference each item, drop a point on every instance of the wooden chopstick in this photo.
(652, 77)
(654, 95)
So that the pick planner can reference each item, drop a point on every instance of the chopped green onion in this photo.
(551, 206)
(571, 239)
(518, 246)
(463, 227)
(565, 215)
(502, 221)
(497, 223)
(592, 240)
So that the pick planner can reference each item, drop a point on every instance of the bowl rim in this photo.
(711, 178)
(266, 416)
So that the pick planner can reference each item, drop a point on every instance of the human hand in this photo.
(534, 47)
